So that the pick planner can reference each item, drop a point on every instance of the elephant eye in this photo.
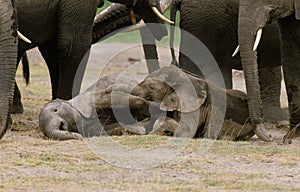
(152, 86)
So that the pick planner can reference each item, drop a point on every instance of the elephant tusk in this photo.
(258, 38)
(139, 25)
(21, 36)
(156, 11)
(236, 51)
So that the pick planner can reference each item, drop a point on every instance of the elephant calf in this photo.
(101, 110)
(166, 102)
(193, 105)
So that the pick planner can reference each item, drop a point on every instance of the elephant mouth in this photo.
(63, 126)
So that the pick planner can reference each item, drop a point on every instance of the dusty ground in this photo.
(31, 162)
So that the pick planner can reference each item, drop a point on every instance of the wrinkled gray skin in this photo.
(187, 99)
(216, 25)
(100, 110)
(253, 15)
(66, 32)
(167, 102)
(8, 55)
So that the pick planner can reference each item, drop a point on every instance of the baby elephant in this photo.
(101, 110)
(196, 108)
(168, 102)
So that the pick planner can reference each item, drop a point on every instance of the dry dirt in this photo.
(31, 162)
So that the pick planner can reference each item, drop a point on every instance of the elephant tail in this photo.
(175, 6)
(26, 71)
(114, 17)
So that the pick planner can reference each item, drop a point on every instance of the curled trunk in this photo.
(115, 17)
(56, 128)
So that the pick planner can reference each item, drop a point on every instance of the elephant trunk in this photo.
(246, 35)
(8, 59)
(56, 128)
(115, 17)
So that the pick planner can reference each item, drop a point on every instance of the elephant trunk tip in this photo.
(55, 134)
(262, 133)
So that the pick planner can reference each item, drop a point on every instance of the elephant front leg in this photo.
(49, 53)
(73, 42)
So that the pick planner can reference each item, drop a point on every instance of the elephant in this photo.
(8, 58)
(119, 102)
(59, 46)
(253, 17)
(73, 119)
(216, 26)
(188, 101)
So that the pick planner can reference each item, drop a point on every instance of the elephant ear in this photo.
(83, 103)
(182, 100)
(297, 9)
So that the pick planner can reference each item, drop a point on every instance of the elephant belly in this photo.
(37, 19)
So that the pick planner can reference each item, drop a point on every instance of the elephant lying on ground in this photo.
(160, 104)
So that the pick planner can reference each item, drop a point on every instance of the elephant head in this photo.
(59, 120)
(178, 93)
(253, 16)
(8, 59)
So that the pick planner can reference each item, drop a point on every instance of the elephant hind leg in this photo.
(17, 106)
(73, 44)
(270, 85)
(290, 39)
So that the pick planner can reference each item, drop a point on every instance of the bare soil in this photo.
(28, 161)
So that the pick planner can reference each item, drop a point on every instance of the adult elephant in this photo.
(64, 32)
(216, 25)
(8, 55)
(253, 17)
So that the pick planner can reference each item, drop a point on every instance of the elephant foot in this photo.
(275, 114)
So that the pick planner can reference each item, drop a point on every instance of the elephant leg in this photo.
(17, 106)
(188, 65)
(149, 50)
(48, 52)
(290, 34)
(227, 76)
(74, 41)
(270, 86)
